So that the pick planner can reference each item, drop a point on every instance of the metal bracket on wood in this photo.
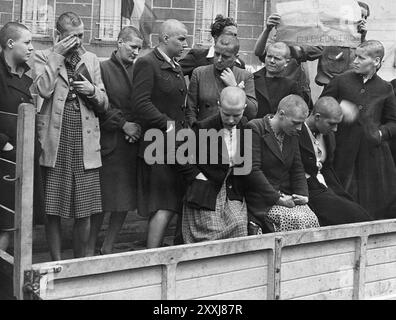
(56, 269)
(9, 179)
(31, 287)
(277, 267)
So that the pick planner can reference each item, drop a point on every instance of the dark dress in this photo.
(363, 162)
(392, 142)
(119, 157)
(14, 91)
(331, 204)
(158, 96)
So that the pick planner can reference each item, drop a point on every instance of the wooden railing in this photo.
(23, 212)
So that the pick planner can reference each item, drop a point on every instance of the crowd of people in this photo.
(310, 164)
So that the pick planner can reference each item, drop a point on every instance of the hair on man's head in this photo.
(281, 46)
(229, 41)
(127, 33)
(68, 19)
(293, 104)
(365, 6)
(11, 30)
(220, 24)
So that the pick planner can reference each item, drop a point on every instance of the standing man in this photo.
(363, 160)
(68, 78)
(15, 83)
(158, 98)
(119, 135)
(270, 83)
(327, 198)
(207, 82)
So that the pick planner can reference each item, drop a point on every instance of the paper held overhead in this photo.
(318, 22)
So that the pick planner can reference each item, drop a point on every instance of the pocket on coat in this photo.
(166, 83)
(202, 195)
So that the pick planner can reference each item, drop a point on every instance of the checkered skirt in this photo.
(229, 220)
(70, 190)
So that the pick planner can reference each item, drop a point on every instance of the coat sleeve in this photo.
(46, 71)
(306, 53)
(99, 99)
(143, 86)
(252, 106)
(388, 129)
(193, 99)
(298, 180)
(188, 63)
(260, 192)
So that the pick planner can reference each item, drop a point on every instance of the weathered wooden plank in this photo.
(317, 266)
(143, 293)
(162, 256)
(23, 240)
(317, 284)
(221, 283)
(381, 256)
(360, 268)
(340, 294)
(381, 272)
(169, 281)
(319, 249)
(219, 265)
(100, 284)
(380, 289)
(382, 240)
(257, 293)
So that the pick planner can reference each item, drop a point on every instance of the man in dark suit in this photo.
(327, 198)
(271, 86)
(214, 207)
(202, 57)
(158, 98)
(363, 160)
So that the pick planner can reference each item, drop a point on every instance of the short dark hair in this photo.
(128, 32)
(365, 6)
(68, 18)
(11, 30)
(220, 24)
(229, 40)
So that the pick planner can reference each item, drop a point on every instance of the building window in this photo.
(110, 19)
(211, 8)
(38, 16)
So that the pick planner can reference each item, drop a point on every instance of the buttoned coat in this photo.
(363, 161)
(158, 95)
(205, 89)
(52, 84)
(273, 171)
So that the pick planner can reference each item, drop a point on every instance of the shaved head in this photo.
(374, 48)
(281, 46)
(11, 31)
(170, 28)
(328, 107)
(232, 106)
(292, 105)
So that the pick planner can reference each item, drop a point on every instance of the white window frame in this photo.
(35, 24)
(207, 19)
(110, 22)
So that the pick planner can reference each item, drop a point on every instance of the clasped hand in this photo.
(132, 132)
(228, 78)
(292, 201)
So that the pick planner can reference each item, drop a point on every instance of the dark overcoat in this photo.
(273, 171)
(332, 204)
(268, 102)
(119, 158)
(363, 161)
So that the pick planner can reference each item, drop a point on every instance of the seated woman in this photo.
(277, 191)
(214, 206)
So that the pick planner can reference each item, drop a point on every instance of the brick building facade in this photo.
(103, 19)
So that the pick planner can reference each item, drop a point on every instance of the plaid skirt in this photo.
(70, 191)
(289, 219)
(229, 220)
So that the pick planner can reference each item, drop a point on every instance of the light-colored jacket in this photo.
(52, 84)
